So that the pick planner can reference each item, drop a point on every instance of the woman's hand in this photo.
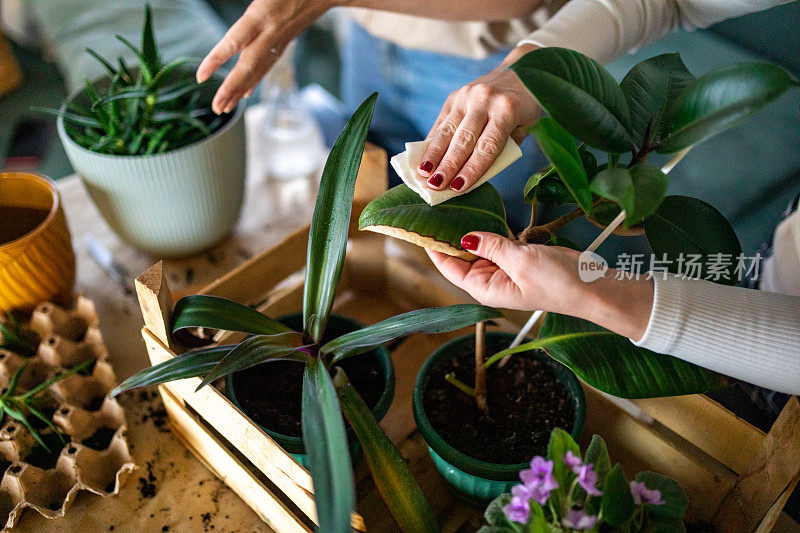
(526, 277)
(475, 123)
(259, 36)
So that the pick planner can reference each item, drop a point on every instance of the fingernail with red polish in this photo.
(426, 166)
(457, 184)
(436, 180)
(470, 242)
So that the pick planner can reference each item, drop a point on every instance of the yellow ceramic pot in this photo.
(36, 259)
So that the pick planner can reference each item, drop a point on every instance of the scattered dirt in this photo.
(526, 402)
(147, 485)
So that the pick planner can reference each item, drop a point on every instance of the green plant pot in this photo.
(475, 480)
(173, 204)
(337, 325)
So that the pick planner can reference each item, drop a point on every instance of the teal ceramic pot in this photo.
(475, 480)
(173, 204)
(337, 325)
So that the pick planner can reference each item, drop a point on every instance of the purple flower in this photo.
(587, 478)
(641, 493)
(579, 520)
(540, 475)
(519, 507)
(573, 462)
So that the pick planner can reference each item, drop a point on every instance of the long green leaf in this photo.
(124, 94)
(149, 47)
(100, 59)
(191, 364)
(560, 148)
(163, 75)
(721, 99)
(580, 94)
(638, 190)
(144, 70)
(201, 311)
(394, 481)
(432, 320)
(401, 213)
(686, 228)
(326, 449)
(175, 91)
(651, 88)
(54, 379)
(254, 350)
(612, 364)
(327, 240)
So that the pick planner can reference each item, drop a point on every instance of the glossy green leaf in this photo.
(202, 311)
(190, 364)
(431, 320)
(560, 148)
(559, 444)
(552, 191)
(618, 505)
(639, 190)
(597, 455)
(252, 351)
(580, 94)
(650, 88)
(675, 501)
(588, 160)
(149, 49)
(441, 226)
(685, 227)
(327, 239)
(612, 364)
(721, 99)
(326, 449)
(529, 191)
(393, 479)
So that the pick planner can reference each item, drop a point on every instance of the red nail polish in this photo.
(426, 166)
(436, 180)
(457, 184)
(470, 242)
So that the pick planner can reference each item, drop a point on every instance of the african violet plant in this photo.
(658, 107)
(324, 397)
(152, 109)
(564, 492)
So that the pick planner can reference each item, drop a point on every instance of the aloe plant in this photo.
(326, 390)
(150, 109)
(658, 107)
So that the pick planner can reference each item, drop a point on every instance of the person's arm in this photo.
(746, 334)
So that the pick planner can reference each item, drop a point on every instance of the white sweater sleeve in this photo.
(606, 29)
(746, 334)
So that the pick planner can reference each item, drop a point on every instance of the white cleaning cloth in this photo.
(406, 165)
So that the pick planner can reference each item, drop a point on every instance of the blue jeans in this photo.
(412, 87)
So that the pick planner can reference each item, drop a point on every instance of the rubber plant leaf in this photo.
(254, 350)
(638, 190)
(401, 213)
(685, 228)
(613, 364)
(580, 94)
(651, 88)
(560, 148)
(394, 481)
(431, 320)
(203, 311)
(327, 239)
(533, 182)
(190, 364)
(326, 449)
(721, 99)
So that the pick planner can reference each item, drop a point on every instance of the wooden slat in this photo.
(156, 303)
(767, 476)
(771, 518)
(709, 426)
(215, 456)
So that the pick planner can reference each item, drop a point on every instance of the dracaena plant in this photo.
(658, 107)
(150, 109)
(326, 392)
(567, 492)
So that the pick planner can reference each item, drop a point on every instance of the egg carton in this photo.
(94, 453)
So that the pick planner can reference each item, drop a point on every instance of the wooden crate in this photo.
(735, 476)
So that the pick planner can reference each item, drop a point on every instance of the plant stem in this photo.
(480, 369)
(550, 227)
(460, 385)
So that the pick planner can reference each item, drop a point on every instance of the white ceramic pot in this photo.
(172, 204)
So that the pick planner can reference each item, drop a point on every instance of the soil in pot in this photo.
(526, 401)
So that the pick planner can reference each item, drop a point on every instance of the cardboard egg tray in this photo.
(96, 456)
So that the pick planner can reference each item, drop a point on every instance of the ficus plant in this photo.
(565, 491)
(658, 107)
(150, 109)
(326, 391)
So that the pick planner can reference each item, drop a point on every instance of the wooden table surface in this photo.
(170, 490)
